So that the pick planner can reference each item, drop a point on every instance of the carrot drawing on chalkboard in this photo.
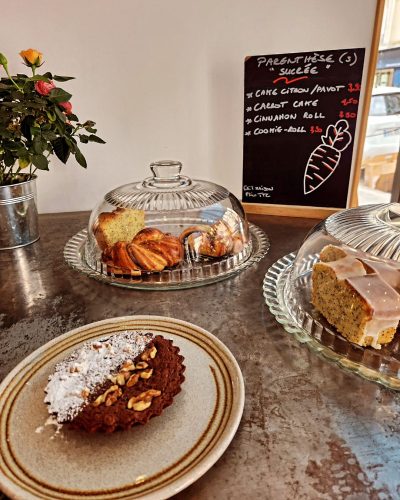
(325, 158)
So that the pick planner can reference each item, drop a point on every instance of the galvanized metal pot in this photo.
(18, 215)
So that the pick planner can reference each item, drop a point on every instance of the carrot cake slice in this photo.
(357, 295)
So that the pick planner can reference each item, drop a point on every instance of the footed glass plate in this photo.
(185, 275)
(299, 318)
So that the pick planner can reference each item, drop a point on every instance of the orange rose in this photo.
(31, 57)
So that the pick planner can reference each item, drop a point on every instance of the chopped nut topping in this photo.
(102, 397)
(120, 379)
(145, 397)
(128, 366)
(150, 353)
(133, 379)
(146, 373)
(113, 396)
(141, 365)
(141, 405)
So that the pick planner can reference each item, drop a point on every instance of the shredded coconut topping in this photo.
(89, 367)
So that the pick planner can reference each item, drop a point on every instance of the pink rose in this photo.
(67, 107)
(44, 88)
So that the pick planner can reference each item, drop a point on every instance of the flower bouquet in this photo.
(36, 121)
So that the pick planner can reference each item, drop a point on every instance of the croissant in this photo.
(215, 240)
(150, 250)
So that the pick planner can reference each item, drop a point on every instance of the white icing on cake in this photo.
(382, 299)
(89, 367)
(374, 328)
(346, 267)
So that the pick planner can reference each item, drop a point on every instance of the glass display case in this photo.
(339, 293)
(166, 231)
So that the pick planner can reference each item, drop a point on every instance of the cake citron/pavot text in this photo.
(120, 225)
(115, 382)
(358, 295)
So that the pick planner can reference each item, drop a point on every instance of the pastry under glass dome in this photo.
(167, 231)
(373, 229)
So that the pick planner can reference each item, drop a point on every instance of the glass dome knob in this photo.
(166, 174)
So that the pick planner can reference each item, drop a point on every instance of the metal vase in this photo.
(18, 215)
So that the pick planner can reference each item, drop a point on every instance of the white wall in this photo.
(163, 79)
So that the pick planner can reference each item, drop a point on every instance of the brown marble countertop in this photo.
(309, 429)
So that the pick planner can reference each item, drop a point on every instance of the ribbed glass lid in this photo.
(372, 228)
(167, 189)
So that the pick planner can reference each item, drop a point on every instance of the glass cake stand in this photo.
(167, 231)
(287, 290)
(187, 275)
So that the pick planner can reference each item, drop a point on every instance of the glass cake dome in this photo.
(362, 247)
(167, 231)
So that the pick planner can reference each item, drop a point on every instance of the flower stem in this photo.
(11, 78)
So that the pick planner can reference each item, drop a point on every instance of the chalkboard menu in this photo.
(300, 114)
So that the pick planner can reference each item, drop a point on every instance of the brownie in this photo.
(166, 377)
(139, 389)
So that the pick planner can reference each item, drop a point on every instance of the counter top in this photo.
(309, 429)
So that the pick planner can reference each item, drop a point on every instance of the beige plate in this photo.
(153, 461)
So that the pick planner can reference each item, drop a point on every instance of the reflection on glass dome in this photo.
(341, 292)
(167, 228)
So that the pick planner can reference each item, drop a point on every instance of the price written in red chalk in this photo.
(347, 114)
(315, 129)
(349, 101)
(353, 87)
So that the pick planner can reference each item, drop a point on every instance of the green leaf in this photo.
(24, 161)
(59, 78)
(94, 138)
(35, 130)
(49, 135)
(48, 75)
(91, 130)
(51, 116)
(59, 95)
(61, 149)
(83, 138)
(89, 123)
(72, 118)
(39, 145)
(9, 159)
(40, 162)
(80, 158)
(59, 114)
(26, 126)
(38, 78)
(71, 144)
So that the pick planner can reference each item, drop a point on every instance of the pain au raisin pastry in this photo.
(116, 382)
(358, 295)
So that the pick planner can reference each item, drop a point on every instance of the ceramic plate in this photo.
(154, 461)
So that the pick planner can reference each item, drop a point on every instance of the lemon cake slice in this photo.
(120, 225)
(357, 295)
